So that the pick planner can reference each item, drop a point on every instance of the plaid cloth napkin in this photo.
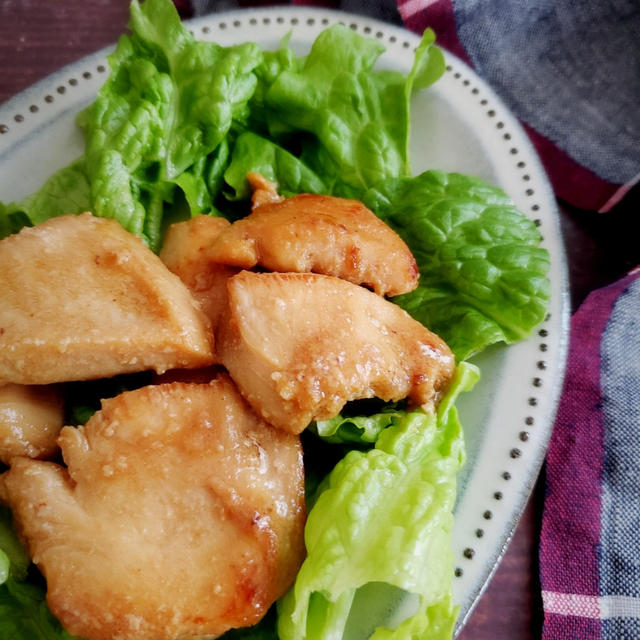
(590, 540)
(570, 70)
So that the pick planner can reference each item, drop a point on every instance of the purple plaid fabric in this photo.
(590, 551)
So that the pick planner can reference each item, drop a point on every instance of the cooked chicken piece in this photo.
(30, 419)
(180, 515)
(299, 346)
(185, 253)
(81, 298)
(320, 234)
(263, 190)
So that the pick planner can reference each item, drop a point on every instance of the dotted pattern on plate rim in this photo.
(50, 98)
(522, 432)
(208, 32)
(521, 438)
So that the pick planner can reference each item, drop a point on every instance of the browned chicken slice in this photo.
(180, 515)
(299, 346)
(320, 234)
(263, 191)
(30, 419)
(185, 253)
(81, 298)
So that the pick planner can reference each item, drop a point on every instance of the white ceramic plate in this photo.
(457, 125)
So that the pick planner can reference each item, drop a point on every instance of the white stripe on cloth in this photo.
(411, 7)
(596, 607)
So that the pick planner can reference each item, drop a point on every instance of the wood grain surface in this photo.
(38, 37)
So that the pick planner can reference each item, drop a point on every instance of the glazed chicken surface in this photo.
(30, 420)
(180, 515)
(299, 346)
(319, 234)
(185, 252)
(82, 298)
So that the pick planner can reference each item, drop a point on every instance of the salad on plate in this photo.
(212, 174)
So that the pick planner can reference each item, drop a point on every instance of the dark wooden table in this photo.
(39, 37)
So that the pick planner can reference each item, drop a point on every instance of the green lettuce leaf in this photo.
(202, 182)
(272, 65)
(24, 614)
(15, 560)
(357, 118)
(253, 153)
(210, 84)
(168, 103)
(393, 503)
(483, 275)
(66, 191)
(358, 429)
(12, 219)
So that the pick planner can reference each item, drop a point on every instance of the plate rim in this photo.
(391, 34)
